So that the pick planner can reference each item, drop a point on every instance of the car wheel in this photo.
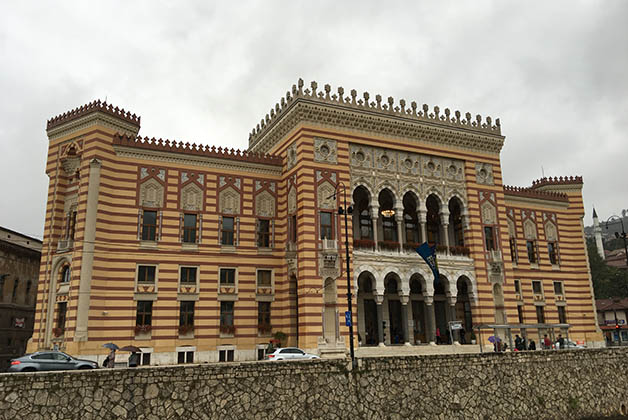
(85, 367)
(279, 359)
(29, 369)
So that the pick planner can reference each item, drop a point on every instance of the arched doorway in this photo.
(419, 325)
(463, 308)
(330, 314)
(367, 317)
(395, 318)
(441, 307)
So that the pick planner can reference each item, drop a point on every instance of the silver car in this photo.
(290, 353)
(49, 360)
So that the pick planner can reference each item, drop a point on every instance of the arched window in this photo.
(410, 219)
(455, 221)
(415, 286)
(433, 219)
(65, 274)
(362, 202)
(389, 224)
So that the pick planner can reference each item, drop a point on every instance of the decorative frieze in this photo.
(325, 150)
(484, 173)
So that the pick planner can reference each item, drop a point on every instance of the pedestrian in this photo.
(111, 362)
(518, 343)
(532, 345)
(547, 343)
(134, 359)
(561, 342)
(438, 340)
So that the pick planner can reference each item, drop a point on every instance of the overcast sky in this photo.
(556, 73)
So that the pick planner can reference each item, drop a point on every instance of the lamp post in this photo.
(346, 210)
(623, 232)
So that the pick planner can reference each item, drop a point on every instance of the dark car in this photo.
(49, 360)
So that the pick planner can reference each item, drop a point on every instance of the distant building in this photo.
(19, 272)
(616, 258)
(611, 314)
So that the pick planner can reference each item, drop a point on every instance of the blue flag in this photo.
(429, 255)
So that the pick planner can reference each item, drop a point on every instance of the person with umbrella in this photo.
(110, 361)
(134, 358)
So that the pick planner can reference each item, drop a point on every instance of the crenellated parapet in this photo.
(559, 180)
(196, 149)
(401, 113)
(93, 107)
(530, 192)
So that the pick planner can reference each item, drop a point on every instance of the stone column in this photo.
(379, 300)
(399, 219)
(87, 257)
(374, 219)
(431, 320)
(444, 221)
(422, 218)
(404, 319)
(455, 339)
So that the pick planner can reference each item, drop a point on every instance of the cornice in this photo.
(209, 162)
(515, 199)
(89, 120)
(303, 110)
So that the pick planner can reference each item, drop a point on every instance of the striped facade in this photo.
(184, 249)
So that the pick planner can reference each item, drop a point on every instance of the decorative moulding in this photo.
(484, 173)
(325, 150)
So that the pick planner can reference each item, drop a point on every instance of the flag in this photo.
(429, 255)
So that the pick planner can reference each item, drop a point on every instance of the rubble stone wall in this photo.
(541, 385)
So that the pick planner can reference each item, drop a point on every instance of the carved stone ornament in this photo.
(484, 173)
(326, 198)
(151, 194)
(511, 227)
(325, 150)
(161, 174)
(291, 156)
(192, 198)
(361, 157)
(529, 229)
(265, 205)
(551, 234)
(70, 164)
(489, 215)
(292, 200)
(229, 201)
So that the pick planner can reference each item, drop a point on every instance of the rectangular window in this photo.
(72, 225)
(263, 233)
(263, 317)
(149, 225)
(531, 245)
(226, 318)
(562, 315)
(227, 276)
(517, 286)
(520, 313)
(144, 312)
(188, 275)
(264, 278)
(146, 274)
(558, 288)
(228, 231)
(551, 250)
(513, 249)
(326, 227)
(225, 356)
(536, 287)
(189, 228)
(293, 236)
(185, 357)
(62, 309)
(261, 353)
(489, 238)
(540, 314)
(186, 314)
(145, 359)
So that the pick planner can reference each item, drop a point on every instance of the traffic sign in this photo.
(455, 325)
(348, 318)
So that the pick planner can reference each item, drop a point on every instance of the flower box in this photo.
(142, 329)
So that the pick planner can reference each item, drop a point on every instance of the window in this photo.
(145, 359)
(513, 249)
(72, 226)
(531, 245)
(226, 318)
(389, 227)
(366, 225)
(553, 255)
(263, 233)
(540, 314)
(15, 285)
(225, 355)
(149, 225)
(263, 317)
(326, 228)
(186, 315)
(65, 274)
(185, 357)
(144, 313)
(261, 353)
(412, 232)
(29, 286)
(489, 238)
(189, 228)
(537, 288)
(227, 276)
(228, 231)
(264, 278)
(293, 233)
(146, 274)
(562, 315)
(517, 286)
(520, 313)
(558, 288)
(62, 310)
(188, 275)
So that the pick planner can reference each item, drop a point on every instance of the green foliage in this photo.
(607, 281)
(573, 403)
(280, 336)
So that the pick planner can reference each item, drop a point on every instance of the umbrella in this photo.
(132, 349)
(111, 346)
(493, 339)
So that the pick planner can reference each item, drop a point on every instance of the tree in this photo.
(607, 281)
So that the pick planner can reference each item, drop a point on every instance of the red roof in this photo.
(610, 304)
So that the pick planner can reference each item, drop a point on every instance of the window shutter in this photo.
(160, 223)
(139, 224)
(219, 230)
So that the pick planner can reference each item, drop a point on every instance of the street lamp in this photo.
(617, 234)
(347, 210)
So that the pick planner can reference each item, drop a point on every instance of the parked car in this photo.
(49, 360)
(570, 345)
(290, 353)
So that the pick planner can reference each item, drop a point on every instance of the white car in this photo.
(290, 353)
(571, 345)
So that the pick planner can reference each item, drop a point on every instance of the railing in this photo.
(331, 244)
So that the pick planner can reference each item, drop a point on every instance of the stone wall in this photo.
(539, 385)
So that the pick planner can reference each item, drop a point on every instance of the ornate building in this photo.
(200, 253)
